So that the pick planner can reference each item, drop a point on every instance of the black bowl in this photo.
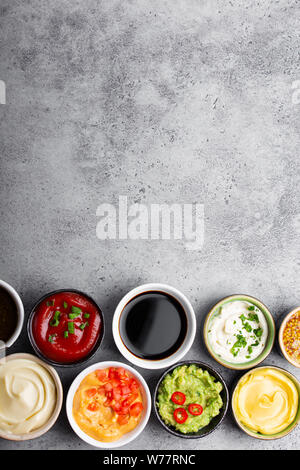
(64, 364)
(215, 422)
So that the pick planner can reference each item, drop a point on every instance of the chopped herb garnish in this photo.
(51, 338)
(86, 315)
(50, 303)
(250, 349)
(253, 317)
(258, 332)
(83, 325)
(251, 307)
(247, 327)
(66, 334)
(240, 343)
(55, 319)
(71, 328)
(73, 315)
(76, 310)
(255, 344)
(65, 305)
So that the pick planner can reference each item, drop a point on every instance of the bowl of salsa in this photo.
(65, 327)
(108, 404)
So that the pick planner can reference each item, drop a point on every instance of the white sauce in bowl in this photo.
(238, 332)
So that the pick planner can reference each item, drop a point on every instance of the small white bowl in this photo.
(59, 399)
(190, 334)
(126, 438)
(20, 311)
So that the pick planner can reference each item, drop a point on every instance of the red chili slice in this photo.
(195, 409)
(180, 415)
(178, 398)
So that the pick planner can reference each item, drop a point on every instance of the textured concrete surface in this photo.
(162, 101)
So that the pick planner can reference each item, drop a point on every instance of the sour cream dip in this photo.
(27, 396)
(238, 332)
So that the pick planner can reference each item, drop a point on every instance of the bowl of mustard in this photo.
(266, 402)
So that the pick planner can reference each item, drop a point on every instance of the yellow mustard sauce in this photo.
(266, 401)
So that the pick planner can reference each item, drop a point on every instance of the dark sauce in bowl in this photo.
(8, 315)
(153, 325)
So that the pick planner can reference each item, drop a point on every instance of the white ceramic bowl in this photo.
(185, 346)
(59, 399)
(20, 311)
(127, 437)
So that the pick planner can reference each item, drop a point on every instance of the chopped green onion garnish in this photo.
(253, 317)
(51, 338)
(76, 310)
(258, 332)
(66, 334)
(73, 315)
(55, 319)
(83, 325)
(247, 327)
(86, 315)
(65, 305)
(71, 328)
(251, 307)
(240, 343)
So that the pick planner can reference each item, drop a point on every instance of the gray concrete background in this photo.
(162, 101)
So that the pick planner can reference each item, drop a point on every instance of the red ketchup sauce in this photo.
(66, 327)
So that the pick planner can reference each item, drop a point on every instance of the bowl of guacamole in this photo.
(191, 399)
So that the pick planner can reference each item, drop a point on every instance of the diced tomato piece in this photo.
(124, 410)
(129, 400)
(122, 374)
(112, 373)
(115, 383)
(91, 392)
(117, 407)
(123, 419)
(133, 385)
(93, 406)
(101, 375)
(108, 387)
(116, 393)
(101, 390)
(136, 409)
(125, 390)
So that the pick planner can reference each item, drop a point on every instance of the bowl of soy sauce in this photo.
(154, 326)
(11, 315)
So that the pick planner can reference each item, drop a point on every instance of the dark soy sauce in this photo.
(153, 325)
(8, 315)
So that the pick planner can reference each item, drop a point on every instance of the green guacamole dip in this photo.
(199, 387)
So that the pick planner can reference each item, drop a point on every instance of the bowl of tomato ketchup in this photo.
(65, 327)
